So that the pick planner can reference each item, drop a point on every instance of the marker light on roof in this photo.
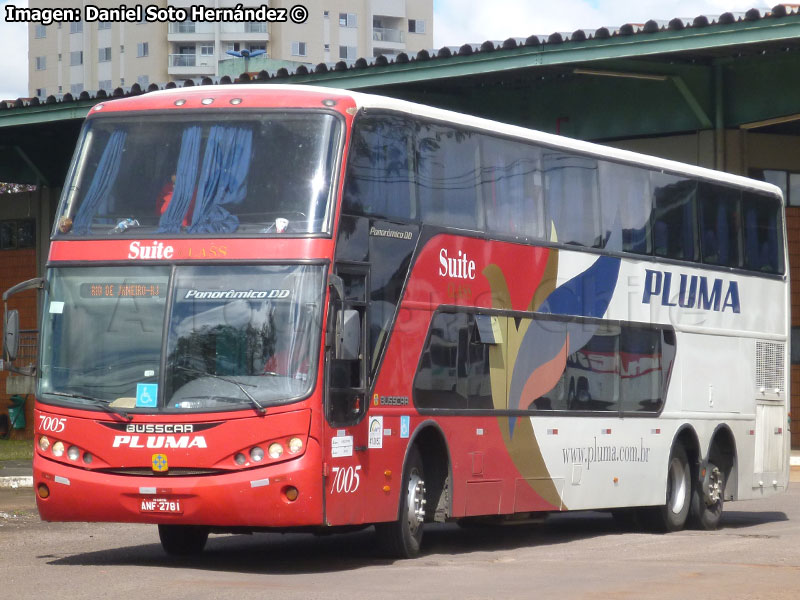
(206, 101)
(329, 102)
(98, 107)
(180, 102)
(236, 100)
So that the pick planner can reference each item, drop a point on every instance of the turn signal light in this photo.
(43, 490)
(291, 493)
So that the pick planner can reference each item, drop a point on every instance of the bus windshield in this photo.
(230, 174)
(236, 336)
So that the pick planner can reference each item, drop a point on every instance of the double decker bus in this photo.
(274, 307)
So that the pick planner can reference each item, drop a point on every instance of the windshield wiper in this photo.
(256, 404)
(104, 404)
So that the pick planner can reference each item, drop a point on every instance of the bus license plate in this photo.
(161, 505)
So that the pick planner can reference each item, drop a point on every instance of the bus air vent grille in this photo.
(770, 366)
(174, 472)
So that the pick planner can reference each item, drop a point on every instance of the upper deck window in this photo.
(226, 174)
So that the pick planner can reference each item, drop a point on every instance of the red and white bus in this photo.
(274, 307)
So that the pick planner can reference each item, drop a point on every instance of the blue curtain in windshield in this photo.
(185, 178)
(223, 179)
(103, 179)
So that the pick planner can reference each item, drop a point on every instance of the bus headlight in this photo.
(73, 453)
(44, 443)
(275, 450)
(295, 445)
(257, 454)
(58, 449)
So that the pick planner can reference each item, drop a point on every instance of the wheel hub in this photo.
(416, 502)
(714, 492)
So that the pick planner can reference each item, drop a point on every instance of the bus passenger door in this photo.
(345, 399)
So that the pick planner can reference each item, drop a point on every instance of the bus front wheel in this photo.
(402, 538)
(183, 540)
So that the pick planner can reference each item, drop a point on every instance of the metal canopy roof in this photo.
(730, 71)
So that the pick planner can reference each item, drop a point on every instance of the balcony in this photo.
(191, 65)
(380, 34)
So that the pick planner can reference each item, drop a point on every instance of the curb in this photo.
(20, 481)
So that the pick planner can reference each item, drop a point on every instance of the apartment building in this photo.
(78, 56)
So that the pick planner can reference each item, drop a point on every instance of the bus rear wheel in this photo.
(402, 538)
(183, 540)
(672, 515)
(707, 499)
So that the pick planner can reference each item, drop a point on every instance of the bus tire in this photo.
(402, 538)
(183, 540)
(672, 515)
(706, 508)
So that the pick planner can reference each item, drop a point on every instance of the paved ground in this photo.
(582, 555)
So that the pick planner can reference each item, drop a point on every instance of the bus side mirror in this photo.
(11, 335)
(348, 334)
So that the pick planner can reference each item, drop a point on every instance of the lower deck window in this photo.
(543, 363)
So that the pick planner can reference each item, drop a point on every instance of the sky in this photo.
(456, 22)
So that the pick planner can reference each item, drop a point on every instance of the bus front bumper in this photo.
(260, 497)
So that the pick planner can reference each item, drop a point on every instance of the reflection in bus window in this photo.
(626, 204)
(380, 180)
(571, 193)
(720, 224)
(512, 187)
(448, 168)
(675, 228)
(762, 236)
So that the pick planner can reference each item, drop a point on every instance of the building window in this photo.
(298, 49)
(348, 20)
(121, 81)
(254, 47)
(142, 49)
(143, 81)
(348, 52)
(41, 63)
(104, 54)
(327, 47)
(255, 27)
(122, 48)
(788, 182)
(59, 57)
(416, 26)
(76, 58)
(39, 31)
(41, 92)
(326, 13)
(104, 84)
(206, 50)
(103, 25)
(60, 89)
(76, 27)
(75, 89)
(234, 46)
(17, 234)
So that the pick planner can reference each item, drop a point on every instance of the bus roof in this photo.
(305, 96)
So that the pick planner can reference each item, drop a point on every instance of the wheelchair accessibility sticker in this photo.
(146, 394)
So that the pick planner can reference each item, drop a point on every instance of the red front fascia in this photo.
(264, 249)
(119, 477)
